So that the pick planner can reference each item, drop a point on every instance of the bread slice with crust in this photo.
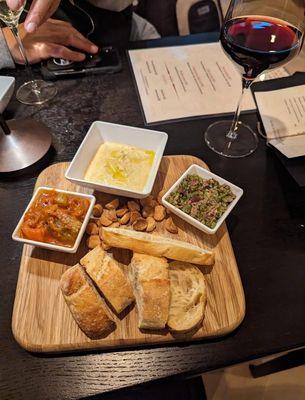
(188, 296)
(150, 280)
(156, 245)
(109, 277)
(86, 305)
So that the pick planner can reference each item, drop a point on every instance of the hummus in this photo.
(121, 165)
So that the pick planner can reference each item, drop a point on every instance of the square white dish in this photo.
(17, 238)
(7, 85)
(101, 132)
(205, 174)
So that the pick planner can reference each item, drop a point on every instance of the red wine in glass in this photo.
(258, 43)
(257, 36)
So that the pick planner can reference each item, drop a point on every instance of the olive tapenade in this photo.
(203, 199)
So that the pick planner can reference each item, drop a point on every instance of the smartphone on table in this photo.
(107, 61)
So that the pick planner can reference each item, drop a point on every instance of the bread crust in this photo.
(150, 279)
(109, 277)
(86, 305)
(156, 245)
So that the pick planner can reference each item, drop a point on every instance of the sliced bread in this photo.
(86, 305)
(150, 280)
(109, 277)
(188, 296)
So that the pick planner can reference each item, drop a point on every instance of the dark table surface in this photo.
(266, 228)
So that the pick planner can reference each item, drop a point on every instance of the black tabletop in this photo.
(267, 230)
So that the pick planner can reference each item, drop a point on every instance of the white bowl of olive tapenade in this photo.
(202, 198)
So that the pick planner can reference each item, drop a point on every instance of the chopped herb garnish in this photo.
(203, 199)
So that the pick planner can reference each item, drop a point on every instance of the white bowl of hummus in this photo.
(118, 159)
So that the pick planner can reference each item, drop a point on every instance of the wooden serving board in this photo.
(41, 320)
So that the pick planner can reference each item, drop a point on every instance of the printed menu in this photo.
(283, 115)
(187, 81)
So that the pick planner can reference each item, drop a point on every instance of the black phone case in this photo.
(51, 71)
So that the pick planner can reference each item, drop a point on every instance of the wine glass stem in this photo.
(26, 61)
(232, 134)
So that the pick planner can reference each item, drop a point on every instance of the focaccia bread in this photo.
(188, 296)
(158, 246)
(109, 278)
(150, 279)
(86, 305)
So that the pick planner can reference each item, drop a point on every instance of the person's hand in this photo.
(39, 12)
(50, 40)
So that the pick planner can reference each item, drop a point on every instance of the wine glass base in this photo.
(27, 143)
(36, 92)
(243, 145)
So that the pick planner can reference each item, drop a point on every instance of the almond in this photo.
(149, 202)
(148, 211)
(112, 205)
(92, 229)
(146, 201)
(140, 224)
(104, 220)
(170, 226)
(134, 215)
(110, 214)
(121, 212)
(153, 203)
(97, 210)
(133, 206)
(125, 219)
(115, 225)
(93, 241)
(160, 213)
(151, 224)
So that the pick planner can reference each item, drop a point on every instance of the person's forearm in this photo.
(6, 60)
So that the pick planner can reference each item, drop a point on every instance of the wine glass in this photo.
(257, 35)
(35, 91)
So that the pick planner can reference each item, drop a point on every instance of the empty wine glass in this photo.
(35, 91)
(257, 35)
